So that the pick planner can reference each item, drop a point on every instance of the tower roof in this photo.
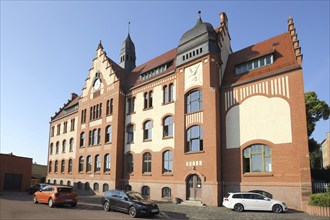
(200, 28)
(128, 43)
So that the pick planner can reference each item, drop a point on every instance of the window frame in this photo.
(191, 101)
(190, 139)
(147, 163)
(248, 156)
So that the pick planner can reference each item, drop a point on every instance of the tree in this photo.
(315, 111)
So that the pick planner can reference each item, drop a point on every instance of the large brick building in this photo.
(193, 123)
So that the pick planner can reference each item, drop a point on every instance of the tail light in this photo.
(225, 199)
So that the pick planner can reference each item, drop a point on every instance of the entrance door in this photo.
(194, 187)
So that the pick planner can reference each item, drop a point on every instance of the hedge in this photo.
(320, 199)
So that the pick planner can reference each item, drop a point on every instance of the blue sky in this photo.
(47, 48)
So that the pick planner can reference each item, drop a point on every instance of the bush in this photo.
(320, 199)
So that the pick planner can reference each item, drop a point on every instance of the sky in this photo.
(47, 48)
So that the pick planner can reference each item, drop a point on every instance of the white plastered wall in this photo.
(156, 114)
(259, 117)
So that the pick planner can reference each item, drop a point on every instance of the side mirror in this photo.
(125, 198)
(40, 190)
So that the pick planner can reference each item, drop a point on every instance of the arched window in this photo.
(147, 130)
(56, 166)
(71, 145)
(165, 94)
(87, 187)
(257, 158)
(57, 147)
(171, 93)
(62, 166)
(96, 187)
(51, 148)
(130, 133)
(194, 101)
(107, 163)
(194, 136)
(82, 139)
(79, 185)
(168, 126)
(50, 167)
(108, 134)
(146, 168)
(145, 191)
(105, 187)
(95, 135)
(129, 163)
(81, 164)
(168, 162)
(68, 183)
(97, 163)
(54, 182)
(61, 182)
(166, 192)
(63, 146)
(70, 166)
(48, 181)
(89, 163)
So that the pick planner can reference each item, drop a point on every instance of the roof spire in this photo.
(199, 18)
(100, 45)
(129, 27)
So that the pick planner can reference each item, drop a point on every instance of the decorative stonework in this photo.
(193, 76)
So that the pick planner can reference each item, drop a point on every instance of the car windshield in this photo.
(65, 190)
(135, 196)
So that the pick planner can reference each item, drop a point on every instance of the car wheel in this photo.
(239, 207)
(132, 211)
(50, 203)
(73, 205)
(35, 200)
(277, 208)
(106, 206)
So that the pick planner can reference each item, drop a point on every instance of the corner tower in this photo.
(127, 54)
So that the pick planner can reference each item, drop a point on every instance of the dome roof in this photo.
(128, 43)
(199, 29)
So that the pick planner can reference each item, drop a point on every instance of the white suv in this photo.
(252, 201)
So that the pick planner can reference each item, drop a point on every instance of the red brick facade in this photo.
(192, 121)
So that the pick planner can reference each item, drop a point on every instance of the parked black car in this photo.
(130, 202)
(37, 187)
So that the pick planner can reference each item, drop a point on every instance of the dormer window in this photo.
(254, 64)
(153, 72)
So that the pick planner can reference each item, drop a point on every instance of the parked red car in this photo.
(54, 195)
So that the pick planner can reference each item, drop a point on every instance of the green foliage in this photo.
(315, 110)
(320, 199)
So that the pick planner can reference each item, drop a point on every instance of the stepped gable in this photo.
(168, 57)
(284, 58)
(71, 102)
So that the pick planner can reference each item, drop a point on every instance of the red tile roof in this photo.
(284, 58)
(133, 78)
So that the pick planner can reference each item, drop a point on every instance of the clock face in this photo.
(97, 84)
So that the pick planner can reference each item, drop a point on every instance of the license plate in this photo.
(154, 210)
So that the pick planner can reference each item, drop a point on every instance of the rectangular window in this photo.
(58, 129)
(130, 105)
(65, 127)
(52, 131)
(253, 64)
(72, 124)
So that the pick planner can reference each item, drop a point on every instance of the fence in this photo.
(320, 187)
